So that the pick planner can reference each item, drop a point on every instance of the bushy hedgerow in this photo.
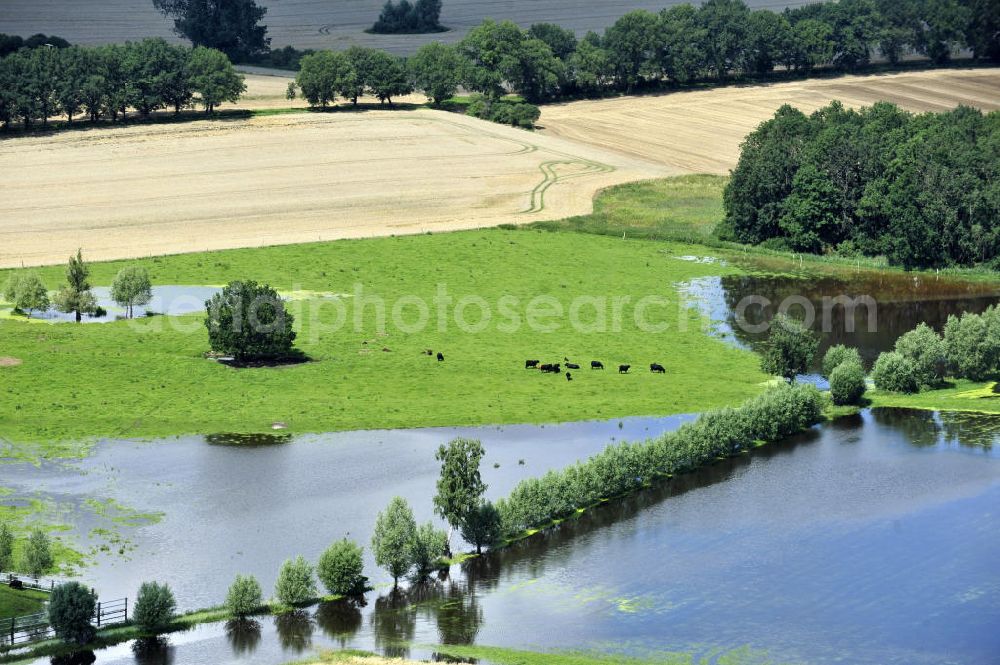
(926, 351)
(972, 344)
(625, 467)
(505, 112)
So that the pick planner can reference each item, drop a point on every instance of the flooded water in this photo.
(901, 302)
(874, 539)
(172, 300)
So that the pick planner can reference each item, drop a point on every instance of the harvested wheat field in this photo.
(169, 188)
(701, 130)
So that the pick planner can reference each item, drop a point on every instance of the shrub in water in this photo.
(245, 596)
(847, 383)
(836, 355)
(427, 548)
(341, 568)
(481, 526)
(154, 607)
(895, 372)
(71, 608)
(296, 583)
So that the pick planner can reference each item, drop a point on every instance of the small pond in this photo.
(870, 540)
(171, 300)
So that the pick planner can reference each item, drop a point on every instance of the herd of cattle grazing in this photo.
(556, 368)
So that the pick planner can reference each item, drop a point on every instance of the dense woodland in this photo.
(921, 190)
(37, 84)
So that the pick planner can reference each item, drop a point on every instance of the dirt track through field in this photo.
(701, 131)
(158, 189)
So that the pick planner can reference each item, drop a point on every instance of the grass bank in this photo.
(14, 603)
(957, 395)
(148, 378)
(501, 656)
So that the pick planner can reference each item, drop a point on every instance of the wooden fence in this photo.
(34, 627)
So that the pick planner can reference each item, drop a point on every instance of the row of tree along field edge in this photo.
(921, 190)
(681, 45)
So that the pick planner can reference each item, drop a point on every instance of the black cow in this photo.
(550, 368)
(530, 364)
(569, 377)
(572, 366)
(596, 364)
(623, 369)
(16, 584)
(657, 368)
(440, 357)
(428, 352)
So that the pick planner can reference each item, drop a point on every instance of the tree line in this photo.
(678, 46)
(921, 190)
(627, 467)
(37, 84)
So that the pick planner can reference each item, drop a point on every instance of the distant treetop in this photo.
(231, 26)
(404, 17)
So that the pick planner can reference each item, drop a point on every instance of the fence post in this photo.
(126, 608)
(98, 614)
(12, 624)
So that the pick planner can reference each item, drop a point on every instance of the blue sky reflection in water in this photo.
(870, 540)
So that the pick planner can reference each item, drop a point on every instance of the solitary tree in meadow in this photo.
(131, 288)
(248, 321)
(76, 297)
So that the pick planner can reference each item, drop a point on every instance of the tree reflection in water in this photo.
(394, 622)
(243, 636)
(295, 630)
(340, 620)
(153, 651)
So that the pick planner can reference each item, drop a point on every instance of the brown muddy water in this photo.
(901, 302)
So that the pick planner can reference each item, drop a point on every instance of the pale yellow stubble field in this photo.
(701, 130)
(157, 189)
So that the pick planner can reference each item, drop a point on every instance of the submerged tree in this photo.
(131, 288)
(26, 293)
(790, 348)
(392, 542)
(37, 556)
(460, 486)
(76, 297)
